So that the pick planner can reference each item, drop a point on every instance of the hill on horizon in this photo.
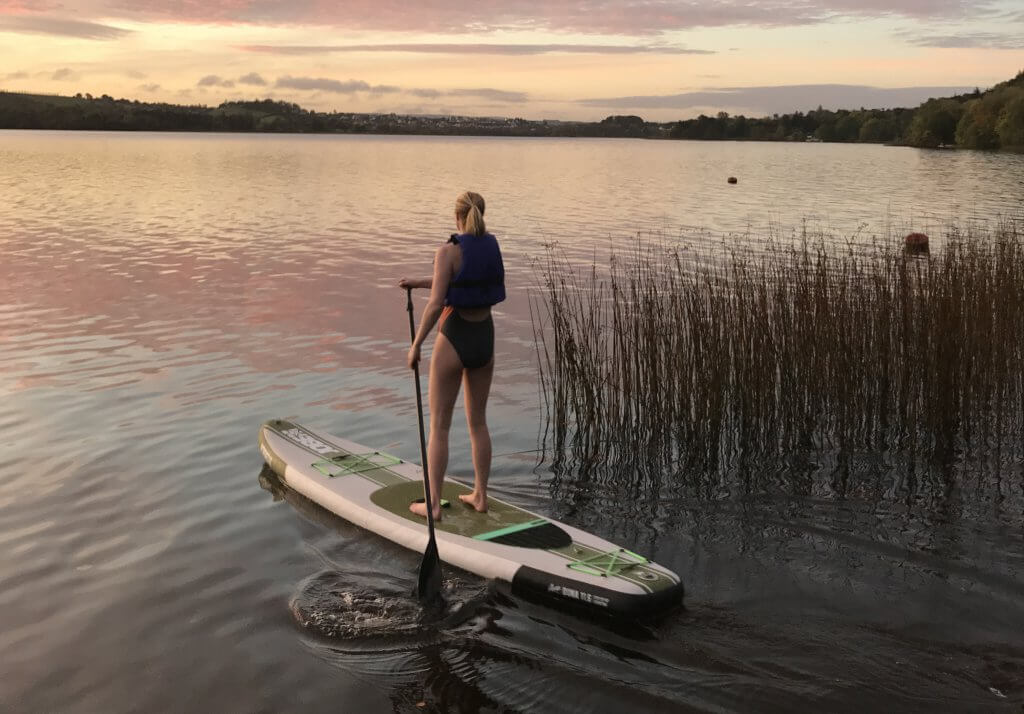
(993, 119)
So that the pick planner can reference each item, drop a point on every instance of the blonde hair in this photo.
(469, 208)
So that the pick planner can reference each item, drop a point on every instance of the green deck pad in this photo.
(637, 572)
(460, 519)
(511, 529)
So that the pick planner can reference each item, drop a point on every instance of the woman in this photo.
(469, 277)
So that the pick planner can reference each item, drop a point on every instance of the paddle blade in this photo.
(428, 589)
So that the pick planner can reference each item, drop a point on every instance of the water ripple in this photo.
(162, 295)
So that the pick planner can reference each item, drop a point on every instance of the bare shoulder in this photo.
(447, 252)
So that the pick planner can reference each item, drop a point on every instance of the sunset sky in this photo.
(538, 59)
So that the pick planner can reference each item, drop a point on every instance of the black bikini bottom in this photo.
(473, 341)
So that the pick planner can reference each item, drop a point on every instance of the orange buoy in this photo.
(916, 243)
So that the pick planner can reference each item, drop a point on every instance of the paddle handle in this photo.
(419, 414)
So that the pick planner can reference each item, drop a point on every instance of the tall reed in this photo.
(698, 367)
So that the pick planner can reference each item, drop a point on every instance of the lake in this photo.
(161, 295)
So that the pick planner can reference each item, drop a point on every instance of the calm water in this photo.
(162, 295)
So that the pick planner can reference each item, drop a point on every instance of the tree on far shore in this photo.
(935, 123)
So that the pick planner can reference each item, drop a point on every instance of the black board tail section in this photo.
(538, 586)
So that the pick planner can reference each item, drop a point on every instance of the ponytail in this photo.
(469, 207)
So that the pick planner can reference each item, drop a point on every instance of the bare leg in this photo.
(445, 373)
(478, 388)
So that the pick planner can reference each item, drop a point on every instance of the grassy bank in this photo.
(710, 368)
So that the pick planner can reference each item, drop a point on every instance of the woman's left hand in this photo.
(414, 356)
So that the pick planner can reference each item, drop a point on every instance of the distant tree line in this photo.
(875, 126)
(993, 120)
(104, 113)
(981, 120)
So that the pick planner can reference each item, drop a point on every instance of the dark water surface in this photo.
(162, 295)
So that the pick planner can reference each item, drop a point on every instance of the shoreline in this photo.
(888, 145)
(886, 127)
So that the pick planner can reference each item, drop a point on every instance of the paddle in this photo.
(428, 589)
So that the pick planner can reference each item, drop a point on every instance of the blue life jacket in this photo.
(481, 280)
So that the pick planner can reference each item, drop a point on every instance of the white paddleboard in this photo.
(540, 558)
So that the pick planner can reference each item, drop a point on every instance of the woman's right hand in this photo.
(407, 283)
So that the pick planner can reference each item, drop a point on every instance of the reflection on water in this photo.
(161, 296)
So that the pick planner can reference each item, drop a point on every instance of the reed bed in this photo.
(716, 367)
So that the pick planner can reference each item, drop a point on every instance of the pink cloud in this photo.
(477, 48)
(11, 7)
(43, 25)
(610, 17)
(212, 80)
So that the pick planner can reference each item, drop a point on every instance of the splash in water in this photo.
(331, 605)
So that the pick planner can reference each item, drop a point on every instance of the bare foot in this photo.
(477, 501)
(420, 509)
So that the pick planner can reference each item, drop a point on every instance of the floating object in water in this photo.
(733, 179)
(916, 243)
(542, 559)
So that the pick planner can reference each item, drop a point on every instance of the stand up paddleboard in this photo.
(541, 558)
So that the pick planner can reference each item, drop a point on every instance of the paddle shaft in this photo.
(431, 560)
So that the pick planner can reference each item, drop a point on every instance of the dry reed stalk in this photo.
(672, 365)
